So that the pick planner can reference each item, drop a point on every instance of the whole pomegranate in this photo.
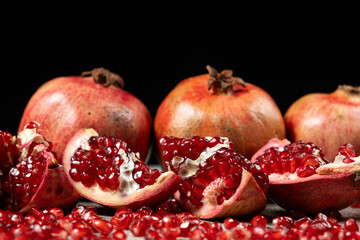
(218, 104)
(66, 104)
(328, 120)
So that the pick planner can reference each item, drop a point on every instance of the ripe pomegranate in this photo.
(328, 120)
(105, 170)
(302, 179)
(216, 181)
(37, 180)
(218, 104)
(66, 104)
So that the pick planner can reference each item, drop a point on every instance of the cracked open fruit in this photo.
(216, 180)
(302, 179)
(33, 177)
(104, 169)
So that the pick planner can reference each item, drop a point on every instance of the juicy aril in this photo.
(301, 179)
(66, 104)
(37, 180)
(216, 181)
(105, 170)
(9, 155)
(328, 120)
(218, 104)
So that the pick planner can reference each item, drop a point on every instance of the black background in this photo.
(288, 48)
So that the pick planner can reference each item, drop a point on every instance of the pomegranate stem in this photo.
(222, 82)
(105, 77)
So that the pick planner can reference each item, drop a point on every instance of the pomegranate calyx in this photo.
(222, 82)
(349, 89)
(105, 77)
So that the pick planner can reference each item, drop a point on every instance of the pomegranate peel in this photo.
(315, 193)
(128, 192)
(247, 199)
(325, 185)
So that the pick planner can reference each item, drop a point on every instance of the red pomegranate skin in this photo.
(328, 120)
(64, 105)
(248, 116)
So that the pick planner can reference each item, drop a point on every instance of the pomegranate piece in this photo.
(302, 180)
(216, 181)
(37, 180)
(105, 170)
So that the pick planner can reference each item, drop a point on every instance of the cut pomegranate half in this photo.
(37, 180)
(301, 179)
(216, 181)
(103, 169)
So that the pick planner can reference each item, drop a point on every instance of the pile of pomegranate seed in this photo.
(226, 165)
(103, 161)
(165, 222)
(298, 157)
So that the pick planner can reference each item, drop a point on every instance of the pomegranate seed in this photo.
(285, 221)
(259, 221)
(119, 234)
(232, 181)
(81, 233)
(102, 226)
(351, 225)
(139, 226)
(230, 223)
(171, 221)
(152, 234)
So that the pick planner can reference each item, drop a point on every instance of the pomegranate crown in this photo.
(105, 77)
(223, 81)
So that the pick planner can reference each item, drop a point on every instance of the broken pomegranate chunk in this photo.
(213, 175)
(105, 170)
